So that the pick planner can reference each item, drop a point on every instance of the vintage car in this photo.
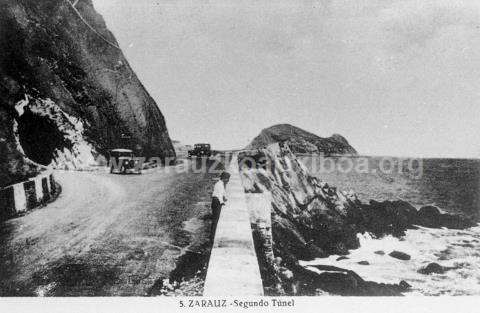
(200, 150)
(123, 161)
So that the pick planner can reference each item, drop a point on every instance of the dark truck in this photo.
(200, 150)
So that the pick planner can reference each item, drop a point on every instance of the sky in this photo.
(395, 77)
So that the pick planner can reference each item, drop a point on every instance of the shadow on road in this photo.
(126, 240)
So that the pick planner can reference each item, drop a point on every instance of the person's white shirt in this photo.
(219, 191)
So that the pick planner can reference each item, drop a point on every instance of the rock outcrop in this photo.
(311, 219)
(67, 93)
(434, 268)
(400, 255)
(339, 281)
(301, 141)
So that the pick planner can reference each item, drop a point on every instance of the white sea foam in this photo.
(459, 249)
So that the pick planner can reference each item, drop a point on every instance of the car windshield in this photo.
(118, 154)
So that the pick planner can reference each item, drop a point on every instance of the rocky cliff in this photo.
(67, 93)
(310, 219)
(301, 141)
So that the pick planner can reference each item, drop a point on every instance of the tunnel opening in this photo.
(39, 137)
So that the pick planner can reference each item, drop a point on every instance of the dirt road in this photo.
(107, 235)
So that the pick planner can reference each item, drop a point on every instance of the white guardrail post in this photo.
(19, 198)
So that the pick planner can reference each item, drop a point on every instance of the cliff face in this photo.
(310, 219)
(301, 141)
(67, 92)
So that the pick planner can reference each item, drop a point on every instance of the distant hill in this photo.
(301, 141)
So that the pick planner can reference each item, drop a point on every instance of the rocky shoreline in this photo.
(310, 219)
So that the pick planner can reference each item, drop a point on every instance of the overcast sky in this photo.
(394, 77)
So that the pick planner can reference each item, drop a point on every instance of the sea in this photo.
(453, 185)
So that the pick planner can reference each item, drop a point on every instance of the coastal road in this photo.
(107, 234)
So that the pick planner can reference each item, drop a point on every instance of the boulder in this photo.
(456, 221)
(345, 282)
(430, 216)
(338, 282)
(364, 263)
(389, 217)
(433, 268)
(342, 258)
(380, 252)
(429, 211)
(330, 268)
(400, 255)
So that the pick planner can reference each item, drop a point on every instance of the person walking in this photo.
(219, 198)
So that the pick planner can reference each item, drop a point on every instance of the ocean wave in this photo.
(458, 250)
